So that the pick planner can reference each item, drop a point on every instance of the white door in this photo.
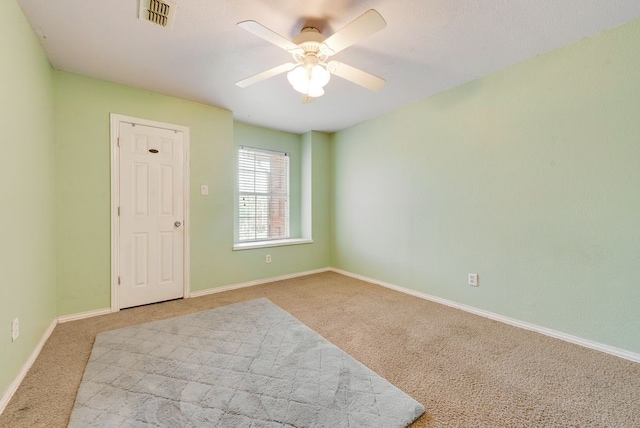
(151, 236)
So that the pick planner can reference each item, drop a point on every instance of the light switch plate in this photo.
(204, 190)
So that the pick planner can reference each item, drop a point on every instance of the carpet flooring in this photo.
(245, 365)
(466, 370)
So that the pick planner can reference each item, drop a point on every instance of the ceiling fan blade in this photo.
(268, 35)
(266, 74)
(364, 25)
(355, 75)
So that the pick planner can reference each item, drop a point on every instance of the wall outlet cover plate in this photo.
(473, 279)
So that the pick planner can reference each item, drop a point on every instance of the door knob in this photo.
(177, 224)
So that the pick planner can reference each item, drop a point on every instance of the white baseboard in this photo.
(83, 315)
(104, 311)
(256, 282)
(13, 387)
(618, 352)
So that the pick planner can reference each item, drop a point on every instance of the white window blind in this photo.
(263, 210)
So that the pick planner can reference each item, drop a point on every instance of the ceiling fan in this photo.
(310, 49)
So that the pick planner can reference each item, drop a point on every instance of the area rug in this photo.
(248, 364)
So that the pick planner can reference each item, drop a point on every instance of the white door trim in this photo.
(116, 120)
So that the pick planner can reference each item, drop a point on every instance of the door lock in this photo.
(177, 224)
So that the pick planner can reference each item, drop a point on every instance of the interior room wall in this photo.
(529, 177)
(82, 108)
(27, 269)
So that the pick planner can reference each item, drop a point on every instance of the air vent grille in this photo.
(159, 12)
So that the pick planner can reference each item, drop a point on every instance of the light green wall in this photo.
(82, 107)
(529, 177)
(27, 270)
(248, 265)
(321, 203)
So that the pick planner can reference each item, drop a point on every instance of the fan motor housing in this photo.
(310, 41)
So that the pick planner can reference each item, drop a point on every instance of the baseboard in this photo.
(13, 387)
(618, 352)
(83, 315)
(104, 311)
(256, 282)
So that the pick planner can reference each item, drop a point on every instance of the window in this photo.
(263, 195)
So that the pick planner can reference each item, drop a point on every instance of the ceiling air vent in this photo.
(159, 12)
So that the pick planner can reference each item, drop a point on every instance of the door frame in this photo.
(116, 120)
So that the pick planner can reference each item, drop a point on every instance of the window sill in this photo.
(274, 243)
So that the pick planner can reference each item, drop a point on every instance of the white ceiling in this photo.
(428, 46)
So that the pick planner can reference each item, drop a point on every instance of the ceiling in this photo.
(427, 47)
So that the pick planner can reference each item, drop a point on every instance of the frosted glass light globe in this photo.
(309, 81)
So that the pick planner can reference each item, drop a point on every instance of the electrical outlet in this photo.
(15, 330)
(473, 279)
(267, 258)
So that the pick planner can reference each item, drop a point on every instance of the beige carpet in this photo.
(466, 370)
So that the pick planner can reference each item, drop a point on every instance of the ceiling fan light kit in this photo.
(310, 50)
(309, 80)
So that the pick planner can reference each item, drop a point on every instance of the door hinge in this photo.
(118, 211)
(118, 280)
(118, 141)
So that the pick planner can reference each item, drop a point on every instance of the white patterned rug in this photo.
(247, 365)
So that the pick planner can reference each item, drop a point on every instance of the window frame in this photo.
(269, 196)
